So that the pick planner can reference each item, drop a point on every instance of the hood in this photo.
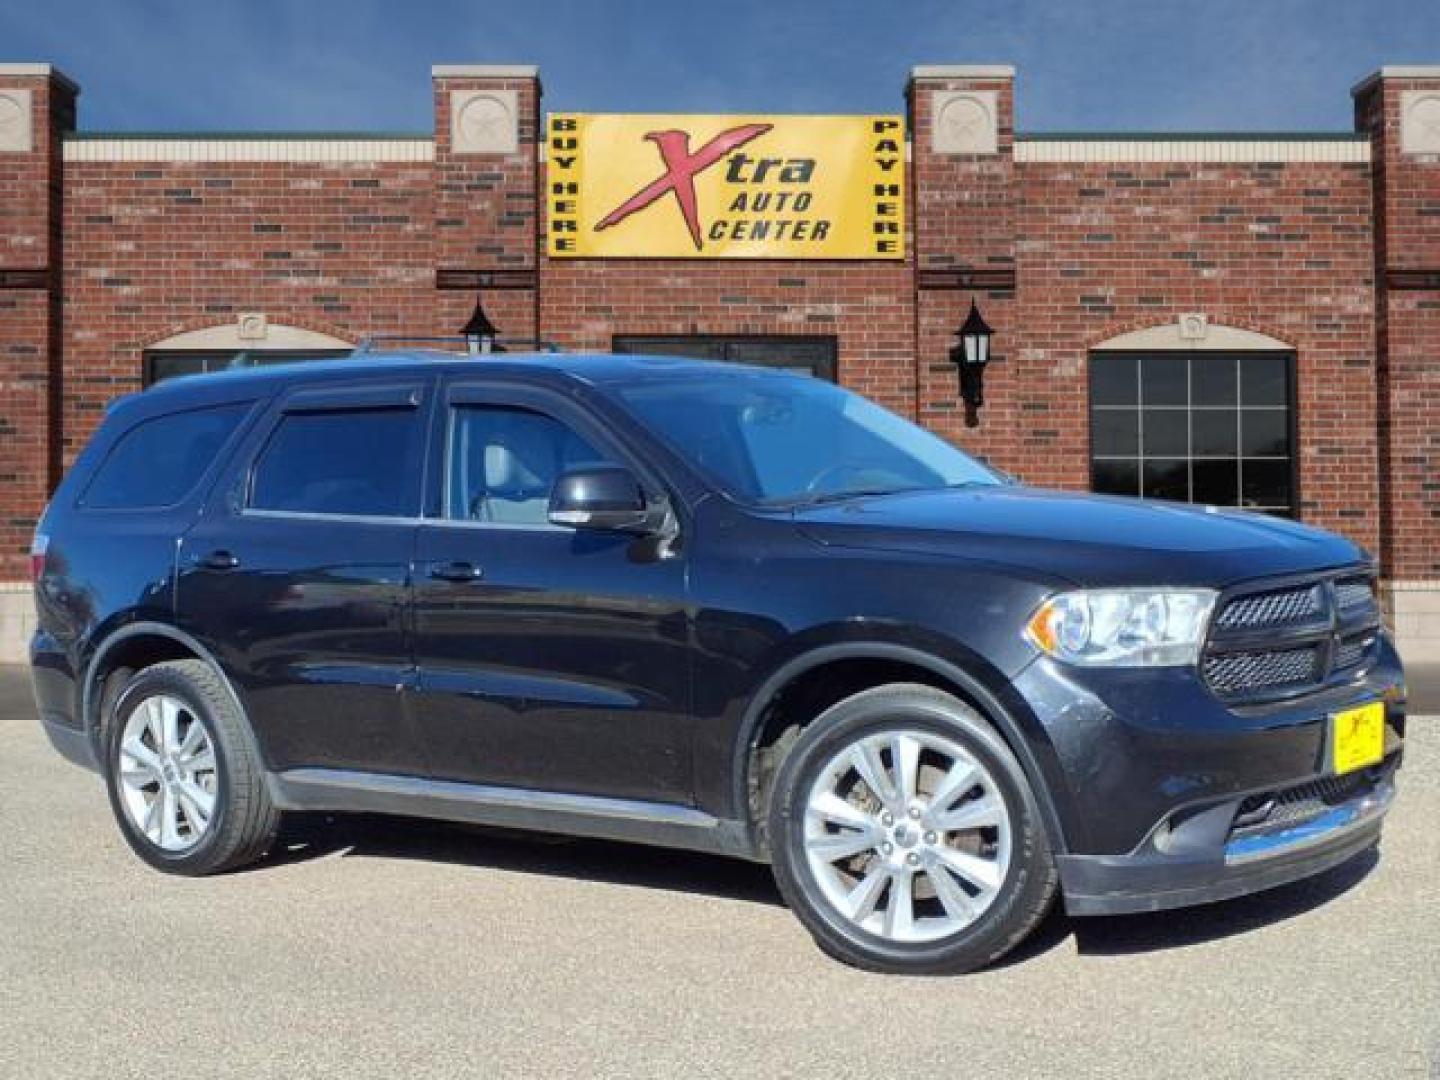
(1091, 540)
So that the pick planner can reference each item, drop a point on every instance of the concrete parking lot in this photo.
(371, 947)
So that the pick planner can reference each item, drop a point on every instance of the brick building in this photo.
(1234, 319)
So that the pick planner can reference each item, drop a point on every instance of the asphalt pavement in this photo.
(393, 948)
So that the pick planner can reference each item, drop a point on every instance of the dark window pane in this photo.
(806, 355)
(156, 463)
(1115, 432)
(1265, 483)
(1217, 483)
(343, 462)
(1265, 433)
(1213, 433)
(812, 357)
(698, 347)
(1212, 381)
(1166, 433)
(504, 463)
(1113, 380)
(162, 366)
(1116, 477)
(1264, 380)
(1166, 479)
(1163, 381)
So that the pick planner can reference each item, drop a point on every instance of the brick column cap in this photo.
(1396, 71)
(962, 71)
(485, 71)
(39, 71)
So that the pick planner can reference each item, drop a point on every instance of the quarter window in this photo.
(158, 462)
(504, 463)
(1211, 428)
(347, 461)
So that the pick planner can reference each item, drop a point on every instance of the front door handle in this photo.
(219, 560)
(456, 571)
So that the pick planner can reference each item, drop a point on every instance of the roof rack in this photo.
(458, 344)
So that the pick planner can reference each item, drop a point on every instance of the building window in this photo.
(1203, 427)
(162, 364)
(807, 355)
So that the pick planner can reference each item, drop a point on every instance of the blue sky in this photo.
(364, 64)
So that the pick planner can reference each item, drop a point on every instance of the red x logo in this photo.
(681, 168)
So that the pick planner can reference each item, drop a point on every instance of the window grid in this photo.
(1189, 410)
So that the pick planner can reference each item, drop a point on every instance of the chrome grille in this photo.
(1291, 638)
(1352, 594)
(1280, 608)
(1241, 672)
(1351, 651)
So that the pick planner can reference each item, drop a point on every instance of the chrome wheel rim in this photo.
(168, 779)
(907, 835)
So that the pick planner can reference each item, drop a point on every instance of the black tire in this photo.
(244, 822)
(1026, 892)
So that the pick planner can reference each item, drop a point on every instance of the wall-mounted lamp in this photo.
(480, 332)
(970, 355)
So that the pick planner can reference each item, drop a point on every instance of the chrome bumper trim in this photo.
(1330, 826)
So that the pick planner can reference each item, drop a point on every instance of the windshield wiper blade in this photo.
(820, 499)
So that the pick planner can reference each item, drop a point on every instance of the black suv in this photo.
(709, 607)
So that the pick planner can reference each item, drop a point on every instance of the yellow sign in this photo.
(728, 187)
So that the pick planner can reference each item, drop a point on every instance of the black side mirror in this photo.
(601, 497)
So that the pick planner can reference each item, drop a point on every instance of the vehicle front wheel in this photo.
(185, 783)
(906, 837)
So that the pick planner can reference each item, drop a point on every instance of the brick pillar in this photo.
(37, 106)
(486, 205)
(963, 187)
(1400, 108)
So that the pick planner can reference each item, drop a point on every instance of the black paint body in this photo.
(614, 665)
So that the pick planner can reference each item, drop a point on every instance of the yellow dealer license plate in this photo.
(1357, 737)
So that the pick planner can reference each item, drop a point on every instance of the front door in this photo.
(298, 576)
(808, 354)
(549, 658)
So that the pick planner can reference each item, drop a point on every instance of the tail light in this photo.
(38, 547)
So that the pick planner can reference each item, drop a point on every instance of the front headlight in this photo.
(1123, 627)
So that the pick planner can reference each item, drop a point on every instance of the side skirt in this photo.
(630, 820)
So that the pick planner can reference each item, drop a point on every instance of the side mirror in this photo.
(601, 497)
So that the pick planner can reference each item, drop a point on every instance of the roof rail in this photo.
(459, 345)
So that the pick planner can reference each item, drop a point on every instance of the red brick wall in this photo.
(1101, 249)
(867, 307)
(1060, 256)
(486, 212)
(1407, 208)
(158, 248)
(30, 376)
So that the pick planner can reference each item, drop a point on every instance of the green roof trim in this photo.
(251, 136)
(1191, 136)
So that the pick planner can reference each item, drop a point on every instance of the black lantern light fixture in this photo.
(971, 355)
(480, 332)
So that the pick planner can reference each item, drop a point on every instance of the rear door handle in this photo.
(219, 560)
(456, 571)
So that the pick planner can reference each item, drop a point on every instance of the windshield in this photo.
(777, 439)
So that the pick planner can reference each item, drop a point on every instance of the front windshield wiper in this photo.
(821, 498)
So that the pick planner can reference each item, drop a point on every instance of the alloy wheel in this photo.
(907, 835)
(168, 779)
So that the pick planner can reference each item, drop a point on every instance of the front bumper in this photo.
(1158, 787)
(1205, 859)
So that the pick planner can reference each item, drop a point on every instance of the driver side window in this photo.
(503, 463)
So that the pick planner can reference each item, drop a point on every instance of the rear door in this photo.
(549, 657)
(298, 575)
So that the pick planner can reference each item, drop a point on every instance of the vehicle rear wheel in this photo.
(185, 783)
(906, 837)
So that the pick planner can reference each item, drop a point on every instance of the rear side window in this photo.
(158, 462)
(349, 461)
